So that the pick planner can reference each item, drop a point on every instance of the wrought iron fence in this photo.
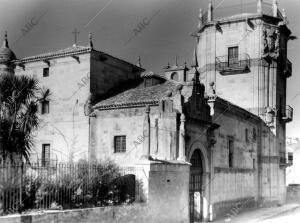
(66, 186)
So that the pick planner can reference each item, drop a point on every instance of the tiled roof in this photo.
(231, 106)
(70, 51)
(139, 96)
(74, 50)
(152, 74)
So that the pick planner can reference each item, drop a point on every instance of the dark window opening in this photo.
(46, 72)
(230, 152)
(45, 107)
(233, 55)
(254, 134)
(45, 155)
(246, 135)
(120, 144)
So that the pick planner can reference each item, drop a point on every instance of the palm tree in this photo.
(20, 96)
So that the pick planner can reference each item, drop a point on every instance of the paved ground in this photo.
(289, 213)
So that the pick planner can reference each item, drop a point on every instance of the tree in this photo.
(20, 97)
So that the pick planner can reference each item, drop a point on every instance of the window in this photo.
(120, 144)
(45, 107)
(46, 72)
(230, 152)
(233, 55)
(45, 154)
(254, 134)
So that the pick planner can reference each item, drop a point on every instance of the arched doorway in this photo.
(196, 181)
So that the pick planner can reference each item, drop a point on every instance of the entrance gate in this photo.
(196, 198)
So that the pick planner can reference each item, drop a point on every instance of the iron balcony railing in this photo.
(290, 158)
(50, 161)
(227, 65)
(288, 114)
(232, 7)
(288, 68)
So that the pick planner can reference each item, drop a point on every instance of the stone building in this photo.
(208, 138)
(237, 153)
(73, 75)
(245, 55)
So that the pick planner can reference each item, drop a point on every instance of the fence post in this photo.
(21, 183)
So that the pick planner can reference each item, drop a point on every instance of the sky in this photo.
(155, 30)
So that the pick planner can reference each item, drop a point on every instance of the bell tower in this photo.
(245, 56)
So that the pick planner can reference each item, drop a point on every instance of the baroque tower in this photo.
(245, 56)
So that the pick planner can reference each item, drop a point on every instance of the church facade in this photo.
(211, 135)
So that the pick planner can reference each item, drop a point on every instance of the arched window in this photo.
(174, 76)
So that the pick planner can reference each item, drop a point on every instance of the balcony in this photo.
(288, 68)
(290, 158)
(50, 162)
(285, 159)
(287, 115)
(228, 66)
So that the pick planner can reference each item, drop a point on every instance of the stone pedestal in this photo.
(166, 189)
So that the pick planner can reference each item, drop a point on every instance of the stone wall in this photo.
(65, 128)
(129, 122)
(169, 191)
(133, 213)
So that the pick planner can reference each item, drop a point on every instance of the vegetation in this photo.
(66, 186)
(20, 97)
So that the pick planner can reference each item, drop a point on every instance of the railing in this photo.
(231, 7)
(51, 161)
(226, 65)
(290, 158)
(288, 68)
(288, 114)
(67, 186)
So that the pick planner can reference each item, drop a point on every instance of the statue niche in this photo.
(271, 43)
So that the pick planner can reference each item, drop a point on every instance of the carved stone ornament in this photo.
(271, 43)
(88, 106)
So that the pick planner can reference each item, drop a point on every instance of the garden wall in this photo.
(131, 213)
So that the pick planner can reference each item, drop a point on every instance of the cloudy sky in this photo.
(36, 26)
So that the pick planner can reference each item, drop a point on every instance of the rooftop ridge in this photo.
(55, 54)
(130, 104)
(69, 51)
